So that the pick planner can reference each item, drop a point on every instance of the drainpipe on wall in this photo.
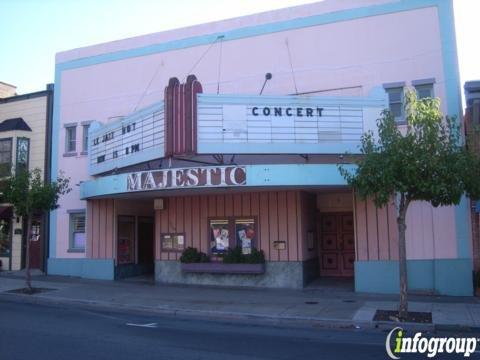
(47, 173)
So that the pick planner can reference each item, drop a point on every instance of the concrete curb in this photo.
(198, 314)
(243, 317)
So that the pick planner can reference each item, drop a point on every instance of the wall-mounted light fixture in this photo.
(159, 204)
(268, 76)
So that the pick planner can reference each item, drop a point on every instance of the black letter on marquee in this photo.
(299, 112)
(319, 111)
(266, 111)
(278, 111)
(288, 111)
(254, 111)
(309, 112)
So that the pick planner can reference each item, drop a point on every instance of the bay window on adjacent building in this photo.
(5, 157)
(23, 150)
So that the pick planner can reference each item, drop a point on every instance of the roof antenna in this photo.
(268, 76)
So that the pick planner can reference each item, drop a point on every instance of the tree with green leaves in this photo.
(30, 195)
(427, 161)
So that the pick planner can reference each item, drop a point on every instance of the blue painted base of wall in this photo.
(102, 269)
(439, 276)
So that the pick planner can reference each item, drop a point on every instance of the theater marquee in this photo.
(219, 176)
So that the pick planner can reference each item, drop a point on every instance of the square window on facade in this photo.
(424, 91)
(85, 138)
(395, 102)
(77, 231)
(70, 139)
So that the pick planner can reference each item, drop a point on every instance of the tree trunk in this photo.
(402, 258)
(28, 277)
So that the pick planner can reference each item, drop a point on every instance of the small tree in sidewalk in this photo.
(30, 195)
(426, 162)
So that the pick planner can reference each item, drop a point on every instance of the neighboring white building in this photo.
(25, 125)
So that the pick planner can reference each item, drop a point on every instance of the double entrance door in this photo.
(135, 246)
(337, 244)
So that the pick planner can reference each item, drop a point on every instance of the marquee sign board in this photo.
(136, 138)
(284, 124)
(233, 124)
(218, 176)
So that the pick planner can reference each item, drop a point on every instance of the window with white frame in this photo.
(424, 91)
(395, 102)
(77, 231)
(85, 138)
(70, 139)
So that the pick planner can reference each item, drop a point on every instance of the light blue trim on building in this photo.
(295, 175)
(257, 30)
(454, 108)
(257, 176)
(102, 269)
(440, 276)
(463, 229)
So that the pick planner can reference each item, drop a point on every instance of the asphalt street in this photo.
(39, 331)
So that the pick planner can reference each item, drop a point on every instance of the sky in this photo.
(32, 31)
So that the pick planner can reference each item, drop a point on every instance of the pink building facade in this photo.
(245, 151)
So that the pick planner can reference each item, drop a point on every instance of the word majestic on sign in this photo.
(187, 177)
(287, 111)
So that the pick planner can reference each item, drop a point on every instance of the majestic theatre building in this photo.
(230, 134)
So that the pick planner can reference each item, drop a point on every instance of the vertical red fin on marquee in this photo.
(181, 116)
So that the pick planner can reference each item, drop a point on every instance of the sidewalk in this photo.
(332, 308)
